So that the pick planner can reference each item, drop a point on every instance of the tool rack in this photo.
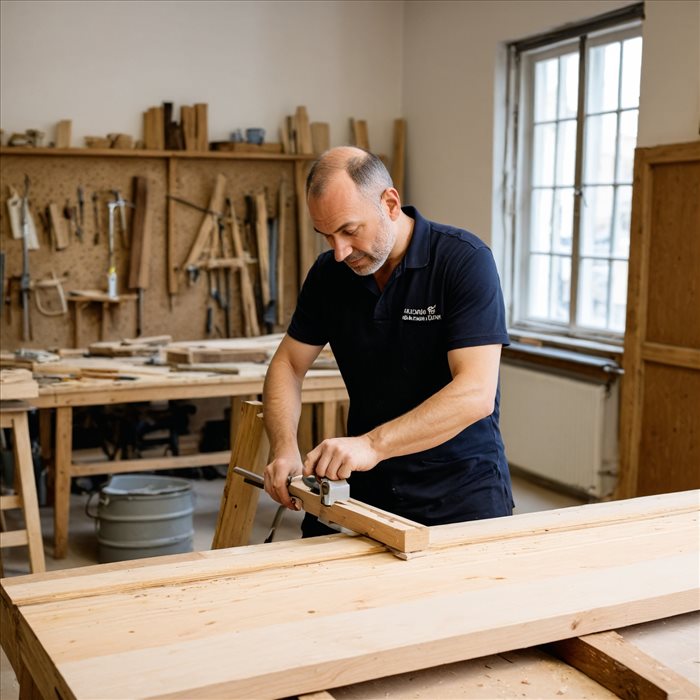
(173, 304)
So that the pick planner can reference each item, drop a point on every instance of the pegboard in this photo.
(55, 177)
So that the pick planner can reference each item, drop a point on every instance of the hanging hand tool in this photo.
(52, 282)
(111, 266)
(270, 313)
(70, 213)
(96, 217)
(140, 248)
(25, 280)
(14, 208)
(81, 207)
(121, 204)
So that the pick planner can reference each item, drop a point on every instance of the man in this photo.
(414, 314)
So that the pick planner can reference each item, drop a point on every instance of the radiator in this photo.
(561, 429)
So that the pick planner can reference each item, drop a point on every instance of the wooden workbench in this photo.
(324, 387)
(306, 616)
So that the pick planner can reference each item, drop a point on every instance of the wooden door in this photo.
(660, 411)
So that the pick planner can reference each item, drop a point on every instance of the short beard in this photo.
(379, 254)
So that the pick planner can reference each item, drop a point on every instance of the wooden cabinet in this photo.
(174, 305)
(660, 412)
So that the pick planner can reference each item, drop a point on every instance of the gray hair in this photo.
(364, 168)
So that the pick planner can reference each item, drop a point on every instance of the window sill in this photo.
(580, 359)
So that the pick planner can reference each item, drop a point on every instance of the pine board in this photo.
(353, 611)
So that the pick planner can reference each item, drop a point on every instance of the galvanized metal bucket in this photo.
(143, 516)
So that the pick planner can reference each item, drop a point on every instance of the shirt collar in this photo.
(418, 253)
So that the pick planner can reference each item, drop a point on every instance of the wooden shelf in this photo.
(142, 153)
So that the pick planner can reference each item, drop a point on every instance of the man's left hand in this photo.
(337, 458)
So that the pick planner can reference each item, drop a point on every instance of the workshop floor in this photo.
(82, 549)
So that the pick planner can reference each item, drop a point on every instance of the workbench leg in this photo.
(24, 466)
(249, 449)
(62, 465)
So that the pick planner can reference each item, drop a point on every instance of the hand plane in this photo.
(330, 502)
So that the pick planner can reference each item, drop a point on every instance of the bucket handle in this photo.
(94, 515)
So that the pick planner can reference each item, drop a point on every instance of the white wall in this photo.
(452, 51)
(101, 63)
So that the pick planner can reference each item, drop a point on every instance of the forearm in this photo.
(435, 421)
(282, 406)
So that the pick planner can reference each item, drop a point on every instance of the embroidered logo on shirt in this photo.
(429, 314)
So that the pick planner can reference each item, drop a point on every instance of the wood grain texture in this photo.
(623, 669)
(194, 625)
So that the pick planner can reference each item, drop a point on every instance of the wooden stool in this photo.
(13, 414)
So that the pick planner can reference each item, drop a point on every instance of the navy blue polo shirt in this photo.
(391, 348)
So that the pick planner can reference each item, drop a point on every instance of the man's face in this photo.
(358, 229)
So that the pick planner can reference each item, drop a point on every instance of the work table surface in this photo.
(293, 617)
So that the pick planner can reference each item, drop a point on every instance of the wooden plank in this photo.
(208, 226)
(396, 532)
(63, 133)
(320, 137)
(250, 313)
(399, 615)
(671, 355)
(565, 519)
(282, 199)
(398, 160)
(140, 252)
(360, 133)
(59, 233)
(62, 462)
(202, 127)
(239, 501)
(170, 234)
(189, 127)
(622, 668)
(127, 466)
(307, 242)
(263, 243)
(14, 538)
(303, 131)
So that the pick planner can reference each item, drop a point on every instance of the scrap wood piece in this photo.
(622, 668)
(17, 384)
(401, 534)
(208, 228)
(203, 354)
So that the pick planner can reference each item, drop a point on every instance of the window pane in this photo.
(546, 90)
(541, 221)
(618, 296)
(603, 77)
(566, 152)
(628, 140)
(538, 292)
(560, 291)
(568, 86)
(599, 162)
(621, 225)
(593, 293)
(596, 221)
(543, 155)
(631, 70)
(562, 227)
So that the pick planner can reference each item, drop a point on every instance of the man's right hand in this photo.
(277, 474)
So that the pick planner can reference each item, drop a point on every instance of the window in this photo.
(576, 101)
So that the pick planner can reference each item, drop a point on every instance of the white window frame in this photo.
(516, 213)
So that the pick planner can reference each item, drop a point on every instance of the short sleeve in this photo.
(308, 321)
(475, 311)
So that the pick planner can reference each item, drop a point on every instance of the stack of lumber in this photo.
(201, 354)
(130, 347)
(17, 384)
(296, 617)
